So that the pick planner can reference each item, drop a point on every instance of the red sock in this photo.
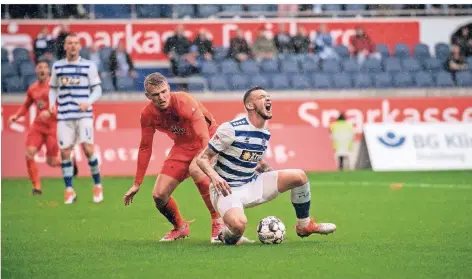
(204, 189)
(33, 173)
(172, 213)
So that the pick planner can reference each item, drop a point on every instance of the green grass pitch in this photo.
(422, 230)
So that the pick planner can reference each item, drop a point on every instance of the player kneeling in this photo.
(241, 179)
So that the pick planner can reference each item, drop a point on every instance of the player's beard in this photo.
(261, 114)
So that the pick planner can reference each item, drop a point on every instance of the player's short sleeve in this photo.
(223, 138)
(94, 77)
(53, 81)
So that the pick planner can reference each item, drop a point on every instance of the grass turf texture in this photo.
(412, 232)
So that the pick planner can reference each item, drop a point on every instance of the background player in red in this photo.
(190, 125)
(43, 129)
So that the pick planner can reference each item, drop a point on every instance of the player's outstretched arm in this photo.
(23, 109)
(263, 166)
(144, 156)
(204, 162)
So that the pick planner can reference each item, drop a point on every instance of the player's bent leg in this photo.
(235, 221)
(167, 206)
(33, 169)
(94, 170)
(203, 184)
(297, 181)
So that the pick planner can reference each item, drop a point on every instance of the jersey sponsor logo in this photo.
(178, 130)
(70, 81)
(41, 104)
(251, 156)
(239, 122)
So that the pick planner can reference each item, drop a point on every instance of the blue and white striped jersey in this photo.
(240, 146)
(74, 81)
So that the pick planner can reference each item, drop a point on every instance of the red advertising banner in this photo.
(144, 40)
(110, 116)
(292, 147)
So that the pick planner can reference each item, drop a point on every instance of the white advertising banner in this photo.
(419, 146)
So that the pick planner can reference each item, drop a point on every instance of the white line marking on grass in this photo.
(383, 183)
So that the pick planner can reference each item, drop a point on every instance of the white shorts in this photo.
(71, 132)
(260, 190)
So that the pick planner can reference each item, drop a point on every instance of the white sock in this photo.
(303, 222)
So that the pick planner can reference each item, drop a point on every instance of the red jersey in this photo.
(186, 121)
(38, 93)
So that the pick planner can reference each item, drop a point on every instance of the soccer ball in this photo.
(271, 230)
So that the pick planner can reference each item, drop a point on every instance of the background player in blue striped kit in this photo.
(75, 85)
(241, 179)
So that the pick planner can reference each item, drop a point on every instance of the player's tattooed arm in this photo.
(263, 166)
(204, 162)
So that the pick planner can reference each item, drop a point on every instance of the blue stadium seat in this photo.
(342, 51)
(424, 79)
(280, 81)
(148, 11)
(218, 83)
(464, 79)
(21, 54)
(229, 66)
(221, 53)
(270, 66)
(126, 84)
(433, 65)
(383, 50)
(444, 79)
(85, 52)
(372, 65)
(355, 7)
(238, 82)
(250, 67)
(421, 51)
(195, 87)
(4, 55)
(331, 66)
(363, 80)
(469, 62)
(383, 80)
(27, 68)
(322, 81)
(402, 80)
(8, 70)
(112, 11)
(342, 80)
(206, 10)
(309, 65)
(300, 82)
(289, 67)
(411, 65)
(184, 10)
(442, 51)
(232, 8)
(105, 53)
(350, 66)
(107, 84)
(332, 7)
(392, 64)
(258, 8)
(402, 50)
(209, 68)
(14, 85)
(28, 80)
(259, 80)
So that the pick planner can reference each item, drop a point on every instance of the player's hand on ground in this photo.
(128, 198)
(84, 106)
(13, 119)
(44, 115)
(221, 186)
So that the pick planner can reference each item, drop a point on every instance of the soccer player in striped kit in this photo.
(241, 179)
(75, 85)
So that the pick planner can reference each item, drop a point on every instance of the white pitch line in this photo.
(383, 183)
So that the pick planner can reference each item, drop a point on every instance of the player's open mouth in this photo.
(268, 107)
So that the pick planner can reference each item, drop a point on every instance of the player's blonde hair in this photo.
(155, 79)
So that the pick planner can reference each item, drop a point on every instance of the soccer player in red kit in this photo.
(190, 125)
(43, 129)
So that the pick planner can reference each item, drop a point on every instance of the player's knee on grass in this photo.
(289, 179)
(236, 221)
(30, 152)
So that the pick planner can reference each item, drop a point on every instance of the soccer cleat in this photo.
(312, 227)
(216, 226)
(36, 192)
(242, 240)
(69, 197)
(175, 234)
(97, 194)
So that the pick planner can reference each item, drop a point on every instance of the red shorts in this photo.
(177, 163)
(39, 135)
